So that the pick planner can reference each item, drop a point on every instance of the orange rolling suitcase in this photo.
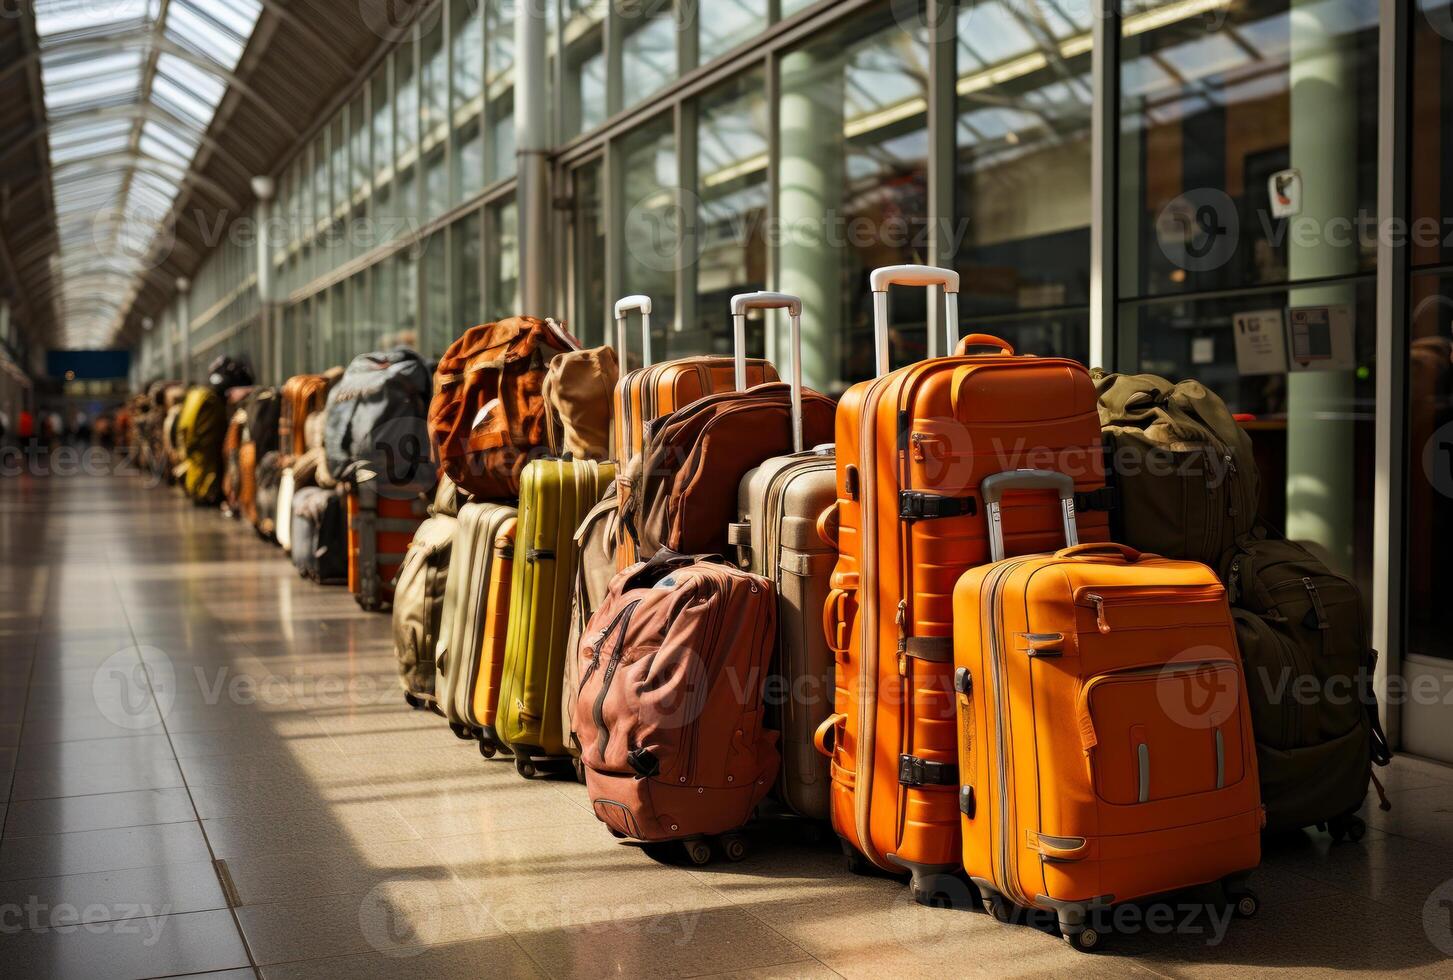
(913, 445)
(380, 528)
(1105, 739)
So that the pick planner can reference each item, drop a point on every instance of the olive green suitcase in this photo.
(555, 495)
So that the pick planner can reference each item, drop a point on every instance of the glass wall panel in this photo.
(502, 263)
(360, 158)
(383, 154)
(1233, 117)
(464, 256)
(468, 98)
(383, 311)
(724, 24)
(406, 139)
(648, 49)
(437, 328)
(588, 231)
(732, 199)
(434, 118)
(1432, 133)
(500, 66)
(651, 244)
(1021, 238)
(582, 41)
(406, 326)
(854, 178)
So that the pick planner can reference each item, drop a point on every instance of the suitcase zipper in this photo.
(597, 711)
(990, 588)
(1104, 598)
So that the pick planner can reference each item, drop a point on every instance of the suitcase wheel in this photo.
(487, 748)
(461, 731)
(1244, 901)
(734, 846)
(1086, 939)
(524, 767)
(940, 891)
(1350, 827)
(856, 863)
(698, 851)
(413, 701)
(1000, 908)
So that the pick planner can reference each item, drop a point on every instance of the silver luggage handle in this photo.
(743, 302)
(911, 275)
(625, 306)
(994, 487)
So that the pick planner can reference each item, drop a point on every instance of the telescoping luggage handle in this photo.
(625, 306)
(994, 487)
(743, 302)
(911, 275)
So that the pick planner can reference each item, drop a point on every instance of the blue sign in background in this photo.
(88, 364)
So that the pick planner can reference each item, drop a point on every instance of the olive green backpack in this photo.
(1186, 483)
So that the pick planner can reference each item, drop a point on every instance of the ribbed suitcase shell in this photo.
(462, 655)
(418, 621)
(936, 427)
(780, 503)
(554, 497)
(379, 531)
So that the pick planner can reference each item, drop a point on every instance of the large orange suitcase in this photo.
(1105, 741)
(302, 395)
(913, 446)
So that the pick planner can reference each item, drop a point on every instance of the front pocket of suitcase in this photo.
(1162, 732)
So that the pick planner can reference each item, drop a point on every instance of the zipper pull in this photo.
(1230, 475)
(1233, 582)
(1100, 622)
(900, 619)
(919, 443)
(1322, 621)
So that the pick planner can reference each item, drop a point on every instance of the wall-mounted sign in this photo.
(1285, 190)
(1260, 342)
(1319, 338)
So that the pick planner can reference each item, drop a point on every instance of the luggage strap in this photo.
(1105, 498)
(934, 649)
(739, 533)
(913, 771)
(915, 505)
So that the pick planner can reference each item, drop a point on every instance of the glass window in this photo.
(382, 312)
(583, 42)
(1233, 121)
(588, 230)
(468, 97)
(434, 119)
(648, 50)
(731, 165)
(502, 286)
(725, 24)
(359, 149)
(790, 7)
(647, 164)
(437, 312)
(464, 255)
(1021, 240)
(1432, 130)
(500, 66)
(854, 178)
(406, 115)
(383, 150)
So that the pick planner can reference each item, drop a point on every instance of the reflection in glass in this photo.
(500, 85)
(1431, 94)
(502, 259)
(725, 24)
(652, 243)
(468, 97)
(1430, 465)
(589, 239)
(437, 312)
(648, 51)
(465, 242)
(434, 119)
(583, 43)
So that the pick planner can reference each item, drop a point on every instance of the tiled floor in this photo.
(175, 700)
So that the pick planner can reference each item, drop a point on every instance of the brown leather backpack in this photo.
(488, 414)
(680, 492)
(579, 386)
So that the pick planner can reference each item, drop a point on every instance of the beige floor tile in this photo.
(498, 958)
(101, 850)
(68, 814)
(193, 942)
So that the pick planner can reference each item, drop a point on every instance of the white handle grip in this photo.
(627, 305)
(911, 275)
(743, 302)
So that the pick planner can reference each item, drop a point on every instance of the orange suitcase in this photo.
(1105, 739)
(654, 390)
(302, 395)
(913, 446)
(380, 527)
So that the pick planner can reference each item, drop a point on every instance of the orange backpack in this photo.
(488, 414)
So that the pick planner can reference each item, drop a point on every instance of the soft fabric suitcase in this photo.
(595, 544)
(283, 521)
(554, 496)
(302, 395)
(670, 717)
(419, 596)
(912, 447)
(319, 539)
(380, 527)
(1296, 619)
(776, 536)
(469, 651)
(269, 485)
(1104, 737)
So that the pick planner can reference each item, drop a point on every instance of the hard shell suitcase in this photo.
(269, 485)
(1104, 737)
(283, 521)
(419, 606)
(670, 716)
(913, 446)
(554, 496)
(776, 536)
(380, 527)
(493, 636)
(469, 654)
(319, 540)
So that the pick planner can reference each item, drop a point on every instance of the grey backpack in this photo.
(376, 418)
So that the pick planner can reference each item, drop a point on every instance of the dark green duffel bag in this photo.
(1308, 663)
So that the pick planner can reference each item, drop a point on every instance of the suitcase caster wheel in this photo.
(1086, 940)
(734, 846)
(1350, 828)
(487, 749)
(937, 891)
(413, 701)
(856, 863)
(461, 731)
(525, 768)
(698, 852)
(1244, 903)
(999, 909)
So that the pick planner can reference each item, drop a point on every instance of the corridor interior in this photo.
(209, 769)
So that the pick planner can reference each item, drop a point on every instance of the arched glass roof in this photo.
(131, 87)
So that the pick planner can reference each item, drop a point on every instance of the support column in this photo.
(270, 370)
(184, 325)
(532, 144)
(1320, 467)
(811, 178)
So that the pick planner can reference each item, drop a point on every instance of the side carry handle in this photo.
(743, 302)
(624, 307)
(994, 487)
(911, 275)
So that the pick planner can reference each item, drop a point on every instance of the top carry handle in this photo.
(771, 301)
(911, 275)
(994, 487)
(625, 306)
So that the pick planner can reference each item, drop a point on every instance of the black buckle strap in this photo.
(540, 554)
(644, 762)
(913, 771)
(1105, 498)
(915, 505)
